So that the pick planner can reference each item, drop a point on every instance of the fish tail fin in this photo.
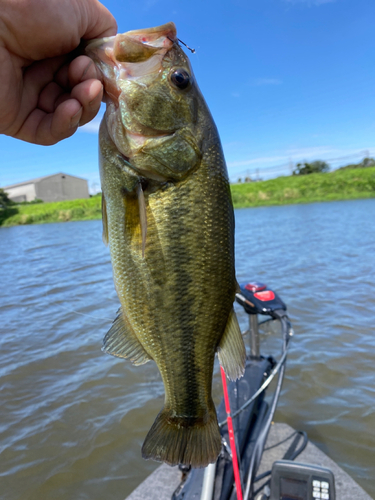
(187, 441)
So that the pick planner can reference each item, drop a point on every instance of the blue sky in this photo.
(286, 81)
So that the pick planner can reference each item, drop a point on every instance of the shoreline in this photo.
(340, 185)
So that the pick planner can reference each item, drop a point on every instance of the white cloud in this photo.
(310, 2)
(301, 154)
(148, 4)
(284, 161)
(93, 126)
(308, 153)
(256, 161)
(266, 81)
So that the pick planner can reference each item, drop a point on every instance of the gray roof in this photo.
(37, 179)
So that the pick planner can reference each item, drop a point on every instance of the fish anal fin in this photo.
(183, 440)
(105, 221)
(121, 341)
(231, 350)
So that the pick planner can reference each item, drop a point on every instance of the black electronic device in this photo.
(256, 298)
(295, 481)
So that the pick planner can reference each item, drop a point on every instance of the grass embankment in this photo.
(348, 184)
(61, 211)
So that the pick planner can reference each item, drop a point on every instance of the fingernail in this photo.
(74, 121)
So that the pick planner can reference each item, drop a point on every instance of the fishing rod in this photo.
(232, 440)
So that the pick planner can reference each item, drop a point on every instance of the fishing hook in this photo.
(183, 43)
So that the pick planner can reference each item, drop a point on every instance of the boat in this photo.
(260, 459)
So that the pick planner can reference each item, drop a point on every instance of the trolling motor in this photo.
(256, 299)
(250, 414)
(289, 480)
(245, 419)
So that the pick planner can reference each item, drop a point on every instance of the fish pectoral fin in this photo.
(104, 221)
(231, 351)
(142, 216)
(121, 341)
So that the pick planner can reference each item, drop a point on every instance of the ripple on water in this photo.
(73, 420)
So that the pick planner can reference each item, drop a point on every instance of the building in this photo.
(56, 187)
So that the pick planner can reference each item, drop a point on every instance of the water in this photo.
(73, 419)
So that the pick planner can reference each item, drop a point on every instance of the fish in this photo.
(169, 221)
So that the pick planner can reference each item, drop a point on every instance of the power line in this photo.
(283, 167)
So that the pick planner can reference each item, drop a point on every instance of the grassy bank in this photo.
(61, 211)
(345, 184)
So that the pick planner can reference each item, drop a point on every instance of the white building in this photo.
(56, 187)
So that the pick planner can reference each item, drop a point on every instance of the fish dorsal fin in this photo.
(142, 216)
(231, 351)
(104, 221)
(121, 341)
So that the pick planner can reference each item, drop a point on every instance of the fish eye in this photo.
(180, 79)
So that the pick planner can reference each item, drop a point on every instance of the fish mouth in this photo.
(155, 36)
(131, 55)
(136, 46)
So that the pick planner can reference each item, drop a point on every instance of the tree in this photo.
(4, 200)
(366, 162)
(314, 167)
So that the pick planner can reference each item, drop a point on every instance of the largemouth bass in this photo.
(168, 218)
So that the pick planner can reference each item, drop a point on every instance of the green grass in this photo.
(347, 184)
(338, 185)
(61, 211)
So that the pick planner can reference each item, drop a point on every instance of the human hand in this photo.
(46, 92)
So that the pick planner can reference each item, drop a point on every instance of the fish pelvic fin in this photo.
(121, 341)
(104, 221)
(183, 440)
(231, 351)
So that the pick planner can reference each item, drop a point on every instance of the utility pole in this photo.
(291, 166)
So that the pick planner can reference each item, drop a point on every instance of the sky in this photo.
(286, 81)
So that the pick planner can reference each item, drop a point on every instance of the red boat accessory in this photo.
(232, 441)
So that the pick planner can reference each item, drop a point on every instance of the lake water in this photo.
(73, 419)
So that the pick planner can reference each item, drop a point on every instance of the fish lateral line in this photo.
(176, 183)
(142, 216)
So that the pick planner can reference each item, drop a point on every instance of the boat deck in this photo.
(163, 481)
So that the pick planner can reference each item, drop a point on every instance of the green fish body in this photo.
(168, 218)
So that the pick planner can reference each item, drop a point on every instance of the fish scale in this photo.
(170, 229)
